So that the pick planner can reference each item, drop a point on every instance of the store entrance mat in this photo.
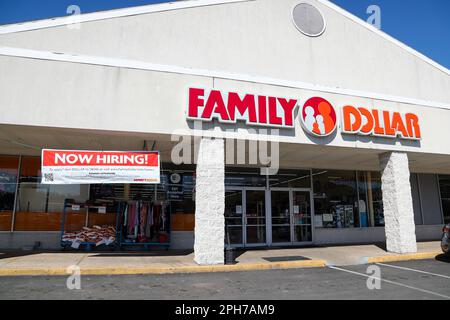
(285, 258)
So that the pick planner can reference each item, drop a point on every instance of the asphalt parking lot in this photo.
(422, 279)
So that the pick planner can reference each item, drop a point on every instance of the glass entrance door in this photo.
(255, 217)
(291, 216)
(233, 217)
(281, 216)
(301, 216)
(245, 217)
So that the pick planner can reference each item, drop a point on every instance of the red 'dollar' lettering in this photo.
(412, 125)
(377, 129)
(388, 130)
(369, 121)
(231, 107)
(398, 126)
(364, 122)
(351, 119)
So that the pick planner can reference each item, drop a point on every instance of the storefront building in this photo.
(355, 123)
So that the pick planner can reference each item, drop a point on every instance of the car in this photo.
(445, 243)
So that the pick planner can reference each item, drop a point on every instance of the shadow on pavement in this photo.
(16, 254)
(382, 246)
(96, 253)
(164, 253)
(286, 258)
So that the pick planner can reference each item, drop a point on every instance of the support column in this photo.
(210, 203)
(397, 203)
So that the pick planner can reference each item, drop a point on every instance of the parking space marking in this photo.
(392, 282)
(415, 270)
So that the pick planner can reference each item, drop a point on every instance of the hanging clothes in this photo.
(133, 211)
(143, 213)
(149, 223)
(163, 218)
(144, 222)
(125, 216)
(156, 217)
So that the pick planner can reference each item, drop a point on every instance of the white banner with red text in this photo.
(96, 167)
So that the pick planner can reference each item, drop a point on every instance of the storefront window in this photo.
(233, 217)
(375, 197)
(8, 178)
(244, 177)
(335, 199)
(178, 189)
(370, 201)
(39, 207)
(444, 184)
(291, 179)
(363, 202)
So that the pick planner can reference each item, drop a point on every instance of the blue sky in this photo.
(423, 25)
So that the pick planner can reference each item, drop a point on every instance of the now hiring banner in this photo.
(96, 167)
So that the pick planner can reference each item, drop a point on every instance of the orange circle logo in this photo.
(318, 117)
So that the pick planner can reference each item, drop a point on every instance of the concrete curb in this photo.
(10, 272)
(404, 257)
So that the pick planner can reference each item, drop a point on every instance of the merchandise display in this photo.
(144, 222)
(99, 235)
(87, 225)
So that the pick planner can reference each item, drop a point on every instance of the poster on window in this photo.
(97, 167)
(175, 190)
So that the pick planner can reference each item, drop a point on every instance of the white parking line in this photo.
(415, 270)
(392, 282)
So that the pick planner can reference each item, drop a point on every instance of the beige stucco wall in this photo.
(71, 95)
(255, 38)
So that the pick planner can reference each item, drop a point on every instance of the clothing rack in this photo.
(145, 223)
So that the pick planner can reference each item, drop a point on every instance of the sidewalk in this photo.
(115, 263)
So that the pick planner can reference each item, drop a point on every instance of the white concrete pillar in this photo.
(210, 203)
(397, 203)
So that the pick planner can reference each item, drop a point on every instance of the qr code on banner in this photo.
(48, 177)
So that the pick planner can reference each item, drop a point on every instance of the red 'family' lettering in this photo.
(230, 107)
